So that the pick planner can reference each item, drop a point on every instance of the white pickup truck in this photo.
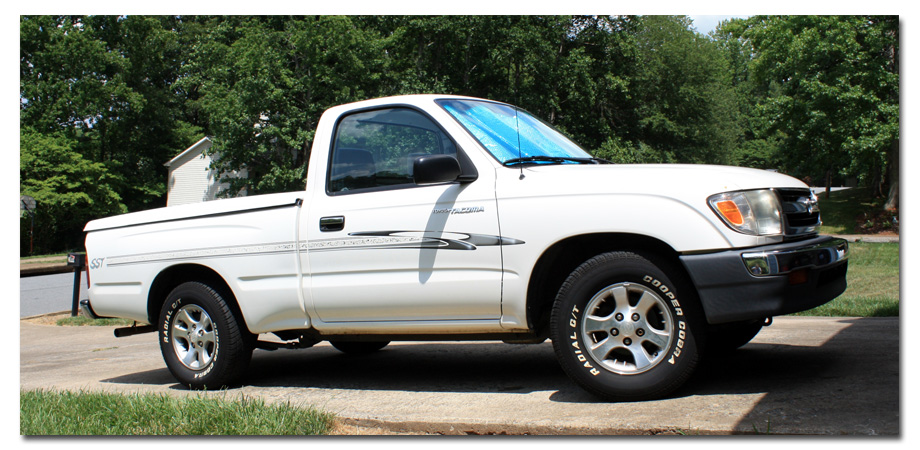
(434, 217)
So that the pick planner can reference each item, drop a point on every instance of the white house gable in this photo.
(191, 180)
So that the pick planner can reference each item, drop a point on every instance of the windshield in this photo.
(512, 135)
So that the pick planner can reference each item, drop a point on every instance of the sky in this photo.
(705, 24)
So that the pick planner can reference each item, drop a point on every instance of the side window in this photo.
(378, 148)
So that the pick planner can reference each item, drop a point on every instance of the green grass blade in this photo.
(93, 413)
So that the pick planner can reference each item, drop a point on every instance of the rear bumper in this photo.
(87, 309)
(769, 281)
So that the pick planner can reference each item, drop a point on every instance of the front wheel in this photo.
(623, 330)
(203, 345)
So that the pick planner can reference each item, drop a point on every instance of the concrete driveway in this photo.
(828, 376)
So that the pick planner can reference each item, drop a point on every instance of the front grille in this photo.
(800, 212)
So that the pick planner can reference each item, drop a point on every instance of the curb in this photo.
(52, 270)
(870, 238)
(507, 429)
(39, 316)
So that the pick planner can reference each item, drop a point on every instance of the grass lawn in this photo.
(840, 212)
(91, 413)
(873, 276)
(873, 284)
(43, 259)
(60, 256)
(83, 321)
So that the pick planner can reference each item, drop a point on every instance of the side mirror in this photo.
(431, 169)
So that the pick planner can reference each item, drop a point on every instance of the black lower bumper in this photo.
(769, 281)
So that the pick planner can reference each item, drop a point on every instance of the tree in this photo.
(599, 103)
(69, 191)
(834, 82)
(126, 93)
(683, 99)
(263, 82)
(760, 145)
(105, 83)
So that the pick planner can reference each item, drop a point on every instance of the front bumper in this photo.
(767, 281)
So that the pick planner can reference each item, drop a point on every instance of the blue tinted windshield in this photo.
(510, 133)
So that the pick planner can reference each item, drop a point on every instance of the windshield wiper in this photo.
(554, 160)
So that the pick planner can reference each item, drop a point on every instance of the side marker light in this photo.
(730, 211)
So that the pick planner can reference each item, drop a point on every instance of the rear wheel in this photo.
(358, 347)
(201, 341)
(623, 330)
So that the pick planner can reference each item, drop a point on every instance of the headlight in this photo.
(749, 212)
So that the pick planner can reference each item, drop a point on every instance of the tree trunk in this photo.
(827, 184)
(894, 152)
(894, 164)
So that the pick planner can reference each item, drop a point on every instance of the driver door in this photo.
(383, 249)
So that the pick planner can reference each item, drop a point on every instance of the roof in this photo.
(196, 147)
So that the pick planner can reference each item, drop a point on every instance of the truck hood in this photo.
(688, 181)
(668, 202)
(197, 210)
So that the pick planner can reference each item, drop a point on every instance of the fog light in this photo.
(798, 277)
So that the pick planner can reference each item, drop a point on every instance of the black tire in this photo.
(358, 347)
(627, 329)
(201, 339)
(727, 338)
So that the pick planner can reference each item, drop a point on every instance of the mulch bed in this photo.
(878, 222)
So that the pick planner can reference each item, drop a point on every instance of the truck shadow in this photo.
(847, 385)
(497, 367)
(477, 367)
(837, 381)
(160, 377)
(423, 367)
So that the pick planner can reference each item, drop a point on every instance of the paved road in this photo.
(819, 190)
(800, 376)
(48, 293)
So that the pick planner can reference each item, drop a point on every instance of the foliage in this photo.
(263, 83)
(682, 95)
(760, 146)
(618, 151)
(105, 83)
(814, 96)
(68, 189)
(90, 413)
(830, 88)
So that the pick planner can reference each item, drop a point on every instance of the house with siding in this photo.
(191, 179)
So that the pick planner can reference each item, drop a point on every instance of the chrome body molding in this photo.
(778, 262)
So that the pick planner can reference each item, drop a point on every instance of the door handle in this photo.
(334, 223)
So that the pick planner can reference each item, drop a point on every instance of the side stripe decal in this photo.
(358, 240)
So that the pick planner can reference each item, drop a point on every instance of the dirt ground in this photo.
(47, 319)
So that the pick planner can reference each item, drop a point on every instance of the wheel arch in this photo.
(173, 276)
(559, 260)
